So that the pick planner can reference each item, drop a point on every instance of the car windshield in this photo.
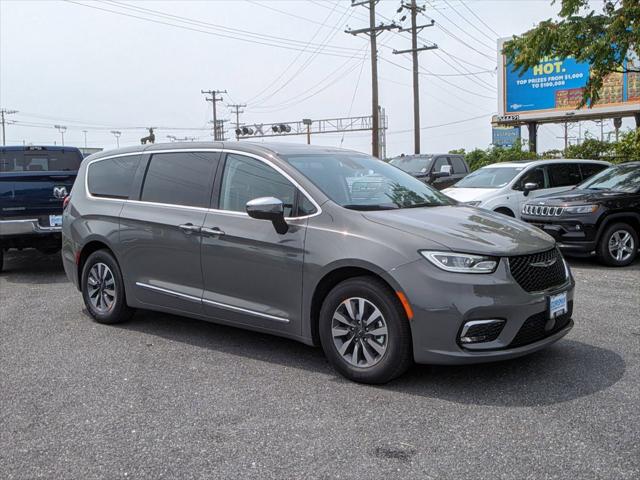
(622, 178)
(489, 177)
(361, 182)
(411, 164)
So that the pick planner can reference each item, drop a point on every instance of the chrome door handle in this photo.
(189, 228)
(212, 231)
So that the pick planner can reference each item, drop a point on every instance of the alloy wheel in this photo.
(621, 245)
(101, 287)
(359, 332)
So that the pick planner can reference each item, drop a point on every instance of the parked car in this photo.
(34, 181)
(440, 170)
(505, 187)
(321, 245)
(601, 215)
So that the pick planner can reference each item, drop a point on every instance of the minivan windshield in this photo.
(623, 178)
(360, 182)
(411, 163)
(489, 177)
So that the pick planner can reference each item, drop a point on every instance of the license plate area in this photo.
(557, 304)
(55, 220)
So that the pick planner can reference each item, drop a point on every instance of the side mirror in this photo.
(528, 187)
(268, 208)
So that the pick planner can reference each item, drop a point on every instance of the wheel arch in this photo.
(631, 218)
(503, 208)
(93, 245)
(332, 277)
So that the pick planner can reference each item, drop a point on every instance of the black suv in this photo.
(602, 214)
(440, 170)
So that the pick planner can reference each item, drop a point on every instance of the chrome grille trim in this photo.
(542, 210)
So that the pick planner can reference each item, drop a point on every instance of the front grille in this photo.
(540, 271)
(538, 327)
(542, 210)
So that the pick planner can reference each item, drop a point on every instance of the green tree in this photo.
(601, 38)
(592, 149)
(628, 148)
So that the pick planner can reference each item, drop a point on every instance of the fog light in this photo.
(479, 331)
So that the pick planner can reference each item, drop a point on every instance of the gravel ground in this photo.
(168, 397)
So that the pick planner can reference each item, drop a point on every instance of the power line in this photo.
(282, 43)
(480, 19)
(473, 25)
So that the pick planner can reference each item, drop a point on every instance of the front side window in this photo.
(361, 182)
(623, 178)
(181, 178)
(112, 177)
(489, 177)
(412, 163)
(246, 179)
(439, 163)
(563, 174)
(535, 175)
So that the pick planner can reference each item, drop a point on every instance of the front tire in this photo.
(618, 245)
(364, 331)
(103, 289)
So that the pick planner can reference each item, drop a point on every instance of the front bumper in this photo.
(29, 226)
(573, 234)
(442, 302)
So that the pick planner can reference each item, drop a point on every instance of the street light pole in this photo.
(61, 129)
(117, 133)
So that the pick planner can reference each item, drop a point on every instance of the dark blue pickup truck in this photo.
(34, 180)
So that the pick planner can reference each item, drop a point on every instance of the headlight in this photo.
(461, 262)
(580, 209)
(473, 204)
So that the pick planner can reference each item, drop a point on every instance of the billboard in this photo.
(553, 90)
(505, 136)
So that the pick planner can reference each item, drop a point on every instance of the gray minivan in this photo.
(326, 246)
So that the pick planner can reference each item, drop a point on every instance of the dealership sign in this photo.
(505, 136)
(554, 88)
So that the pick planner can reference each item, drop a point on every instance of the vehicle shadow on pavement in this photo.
(33, 267)
(562, 372)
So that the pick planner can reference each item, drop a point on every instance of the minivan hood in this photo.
(466, 229)
(469, 194)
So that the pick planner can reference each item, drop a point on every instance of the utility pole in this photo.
(415, 28)
(85, 140)
(566, 137)
(237, 112)
(214, 99)
(4, 112)
(373, 31)
(61, 129)
(117, 133)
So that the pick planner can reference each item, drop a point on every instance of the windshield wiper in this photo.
(356, 206)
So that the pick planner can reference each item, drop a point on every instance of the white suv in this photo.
(504, 187)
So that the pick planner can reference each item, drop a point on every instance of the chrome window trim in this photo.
(212, 210)
(173, 293)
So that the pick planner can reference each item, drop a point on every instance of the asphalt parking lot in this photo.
(168, 397)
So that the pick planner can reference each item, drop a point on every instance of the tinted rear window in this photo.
(112, 177)
(590, 169)
(40, 160)
(182, 178)
(458, 165)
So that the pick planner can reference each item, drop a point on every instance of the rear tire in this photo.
(364, 331)
(618, 245)
(103, 289)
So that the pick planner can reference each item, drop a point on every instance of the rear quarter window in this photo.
(112, 177)
(564, 174)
